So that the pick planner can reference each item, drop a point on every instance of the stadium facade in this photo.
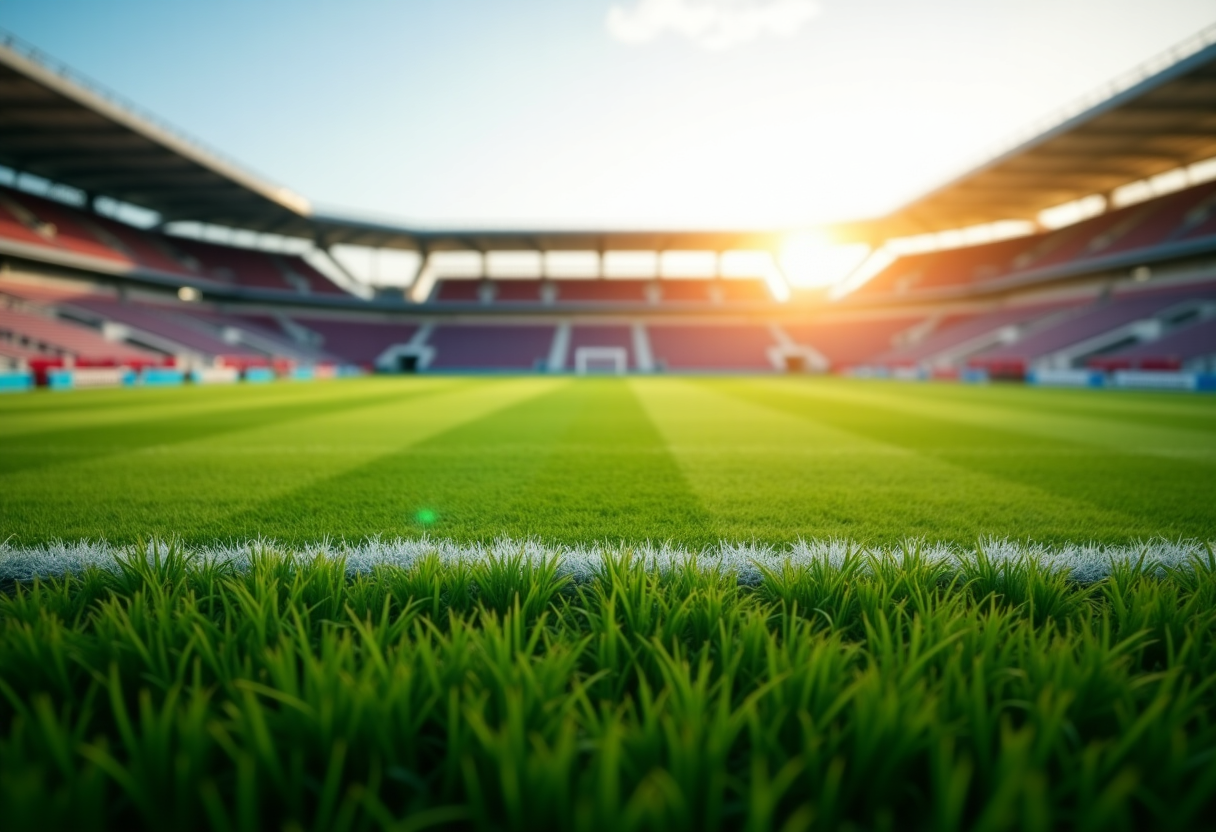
(1126, 295)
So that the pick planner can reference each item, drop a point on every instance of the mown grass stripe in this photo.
(358, 488)
(1127, 407)
(191, 487)
(79, 409)
(460, 477)
(158, 429)
(1154, 494)
(609, 476)
(768, 466)
(1147, 436)
(696, 460)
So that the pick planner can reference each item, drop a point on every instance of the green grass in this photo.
(499, 695)
(446, 686)
(693, 461)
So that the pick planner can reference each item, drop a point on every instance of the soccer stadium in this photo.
(905, 522)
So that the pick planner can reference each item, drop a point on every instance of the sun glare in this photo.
(810, 259)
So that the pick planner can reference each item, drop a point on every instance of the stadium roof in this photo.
(1156, 118)
(60, 126)
(65, 128)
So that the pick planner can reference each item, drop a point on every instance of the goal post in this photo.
(611, 360)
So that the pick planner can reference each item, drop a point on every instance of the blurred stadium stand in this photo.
(1133, 287)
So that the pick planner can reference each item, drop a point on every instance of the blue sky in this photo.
(625, 113)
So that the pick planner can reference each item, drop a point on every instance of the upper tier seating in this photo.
(737, 347)
(15, 223)
(601, 291)
(234, 266)
(850, 343)
(1167, 217)
(43, 293)
(86, 345)
(59, 226)
(30, 219)
(359, 342)
(517, 291)
(611, 290)
(298, 269)
(944, 269)
(457, 291)
(1200, 221)
(490, 346)
(1185, 215)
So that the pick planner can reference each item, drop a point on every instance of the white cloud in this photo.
(712, 24)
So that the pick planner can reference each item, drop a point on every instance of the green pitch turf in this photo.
(687, 460)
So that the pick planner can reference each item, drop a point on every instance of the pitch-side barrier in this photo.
(82, 378)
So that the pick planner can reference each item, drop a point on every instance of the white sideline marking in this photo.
(1084, 562)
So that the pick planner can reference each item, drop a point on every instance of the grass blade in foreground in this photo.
(507, 692)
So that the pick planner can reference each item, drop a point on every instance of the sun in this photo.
(811, 259)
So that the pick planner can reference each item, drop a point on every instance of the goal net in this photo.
(612, 360)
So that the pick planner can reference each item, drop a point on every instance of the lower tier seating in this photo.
(1176, 350)
(1089, 322)
(359, 342)
(851, 342)
(85, 345)
(168, 326)
(737, 347)
(490, 346)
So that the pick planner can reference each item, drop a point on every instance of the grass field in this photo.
(693, 461)
(699, 611)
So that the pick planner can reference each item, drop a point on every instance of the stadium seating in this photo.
(517, 291)
(490, 346)
(175, 329)
(86, 346)
(954, 335)
(30, 219)
(238, 267)
(1178, 349)
(12, 226)
(60, 226)
(13, 354)
(592, 291)
(849, 342)
(1164, 221)
(1185, 215)
(705, 347)
(43, 292)
(1091, 321)
(601, 291)
(359, 342)
(457, 291)
(265, 329)
(1199, 222)
(946, 269)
